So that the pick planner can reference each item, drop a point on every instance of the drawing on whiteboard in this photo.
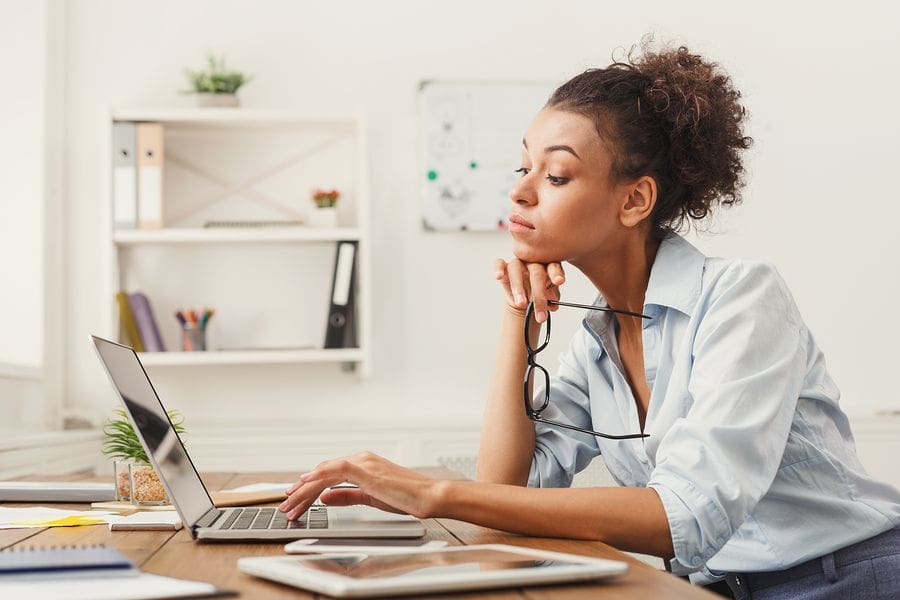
(454, 199)
(471, 136)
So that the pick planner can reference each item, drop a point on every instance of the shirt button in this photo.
(737, 581)
(695, 562)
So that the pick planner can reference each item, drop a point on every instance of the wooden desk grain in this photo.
(176, 555)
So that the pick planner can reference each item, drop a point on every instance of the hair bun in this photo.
(672, 115)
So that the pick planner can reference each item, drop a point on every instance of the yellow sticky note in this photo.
(72, 521)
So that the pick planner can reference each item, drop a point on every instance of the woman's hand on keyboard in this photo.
(380, 482)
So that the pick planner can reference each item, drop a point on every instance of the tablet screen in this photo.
(361, 566)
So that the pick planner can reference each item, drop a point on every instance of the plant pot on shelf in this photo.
(323, 217)
(210, 99)
(146, 488)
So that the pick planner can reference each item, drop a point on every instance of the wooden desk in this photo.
(176, 555)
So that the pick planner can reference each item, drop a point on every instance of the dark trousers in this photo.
(867, 570)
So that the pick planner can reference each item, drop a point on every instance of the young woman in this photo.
(695, 377)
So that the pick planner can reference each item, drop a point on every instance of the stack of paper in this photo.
(41, 516)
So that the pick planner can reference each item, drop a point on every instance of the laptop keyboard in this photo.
(266, 518)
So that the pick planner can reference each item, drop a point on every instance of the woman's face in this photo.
(565, 205)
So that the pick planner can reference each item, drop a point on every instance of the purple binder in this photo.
(146, 323)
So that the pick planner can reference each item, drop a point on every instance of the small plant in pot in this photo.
(325, 212)
(216, 86)
(135, 479)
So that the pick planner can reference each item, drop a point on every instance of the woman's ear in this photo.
(639, 203)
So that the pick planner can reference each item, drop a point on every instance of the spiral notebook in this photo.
(93, 572)
(64, 558)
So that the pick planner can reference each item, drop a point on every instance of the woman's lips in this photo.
(518, 224)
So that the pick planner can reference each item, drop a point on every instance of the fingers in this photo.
(293, 488)
(540, 286)
(351, 497)
(311, 484)
(302, 498)
(523, 282)
(556, 273)
(500, 274)
(519, 283)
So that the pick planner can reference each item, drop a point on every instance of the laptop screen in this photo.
(160, 441)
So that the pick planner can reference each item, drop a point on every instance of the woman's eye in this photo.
(522, 170)
(556, 180)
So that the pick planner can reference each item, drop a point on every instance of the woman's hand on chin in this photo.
(380, 483)
(523, 282)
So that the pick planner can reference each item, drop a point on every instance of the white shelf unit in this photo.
(298, 258)
(186, 235)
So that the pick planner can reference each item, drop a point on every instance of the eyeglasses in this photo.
(534, 412)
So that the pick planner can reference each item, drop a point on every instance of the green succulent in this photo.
(217, 79)
(122, 442)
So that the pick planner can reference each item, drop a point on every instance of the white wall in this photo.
(820, 84)
(23, 29)
(31, 335)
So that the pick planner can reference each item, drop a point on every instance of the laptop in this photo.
(185, 489)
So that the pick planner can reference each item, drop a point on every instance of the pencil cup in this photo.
(193, 337)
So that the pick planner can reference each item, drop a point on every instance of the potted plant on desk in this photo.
(136, 481)
(216, 86)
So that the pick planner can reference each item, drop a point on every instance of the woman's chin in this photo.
(529, 254)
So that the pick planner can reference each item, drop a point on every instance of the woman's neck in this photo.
(621, 274)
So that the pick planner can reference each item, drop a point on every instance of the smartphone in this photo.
(369, 546)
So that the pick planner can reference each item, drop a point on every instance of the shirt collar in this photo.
(675, 279)
(676, 275)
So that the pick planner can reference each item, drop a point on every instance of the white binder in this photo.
(124, 176)
(149, 141)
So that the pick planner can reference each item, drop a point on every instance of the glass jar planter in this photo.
(146, 488)
(122, 479)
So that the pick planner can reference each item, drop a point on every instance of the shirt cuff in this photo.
(694, 542)
(551, 475)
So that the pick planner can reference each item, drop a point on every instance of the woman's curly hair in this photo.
(671, 115)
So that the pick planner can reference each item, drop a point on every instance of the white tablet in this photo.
(456, 568)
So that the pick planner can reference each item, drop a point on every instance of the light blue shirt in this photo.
(748, 449)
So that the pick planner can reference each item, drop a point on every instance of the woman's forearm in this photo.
(507, 435)
(631, 519)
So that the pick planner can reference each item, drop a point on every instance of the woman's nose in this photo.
(521, 192)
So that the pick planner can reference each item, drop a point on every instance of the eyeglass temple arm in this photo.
(606, 308)
(630, 436)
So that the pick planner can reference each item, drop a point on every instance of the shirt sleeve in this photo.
(559, 453)
(718, 461)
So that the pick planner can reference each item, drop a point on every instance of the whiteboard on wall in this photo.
(471, 139)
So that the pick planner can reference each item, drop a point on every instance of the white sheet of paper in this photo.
(141, 587)
(162, 519)
(11, 518)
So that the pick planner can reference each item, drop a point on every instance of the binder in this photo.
(149, 145)
(340, 331)
(128, 331)
(146, 322)
(124, 176)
